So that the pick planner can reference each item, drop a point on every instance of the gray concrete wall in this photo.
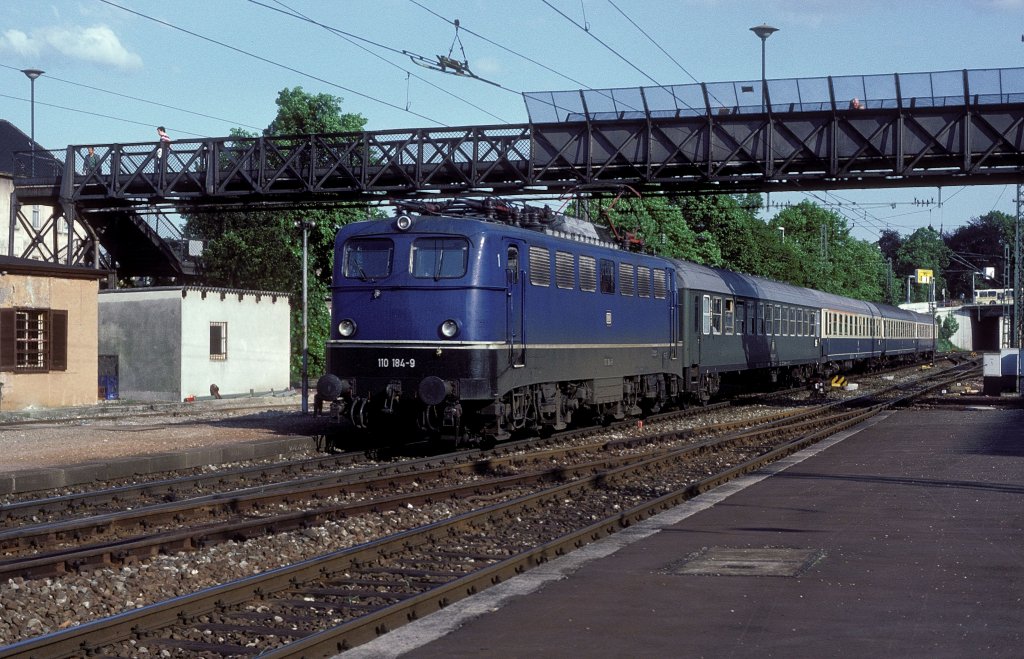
(143, 328)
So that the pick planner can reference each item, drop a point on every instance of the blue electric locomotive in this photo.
(472, 329)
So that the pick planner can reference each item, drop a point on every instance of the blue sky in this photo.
(113, 75)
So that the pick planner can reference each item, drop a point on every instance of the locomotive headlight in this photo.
(347, 327)
(449, 328)
(403, 222)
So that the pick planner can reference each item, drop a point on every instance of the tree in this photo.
(977, 245)
(925, 250)
(262, 250)
(821, 253)
(746, 243)
(662, 227)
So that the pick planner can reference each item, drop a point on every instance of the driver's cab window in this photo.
(368, 258)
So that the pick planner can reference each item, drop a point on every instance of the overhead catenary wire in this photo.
(271, 62)
(600, 41)
(354, 38)
(140, 100)
(98, 114)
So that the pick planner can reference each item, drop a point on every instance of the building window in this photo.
(218, 341)
(33, 340)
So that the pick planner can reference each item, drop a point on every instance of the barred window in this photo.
(660, 290)
(643, 281)
(565, 270)
(33, 340)
(588, 273)
(218, 341)
(626, 278)
(540, 266)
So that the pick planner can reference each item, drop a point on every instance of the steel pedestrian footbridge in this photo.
(944, 128)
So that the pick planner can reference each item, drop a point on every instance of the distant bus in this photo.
(985, 296)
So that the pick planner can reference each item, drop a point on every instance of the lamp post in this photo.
(305, 225)
(763, 31)
(32, 75)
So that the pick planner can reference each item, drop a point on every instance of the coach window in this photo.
(741, 317)
(817, 323)
(588, 274)
(607, 276)
(706, 314)
(716, 315)
(760, 319)
(769, 319)
(439, 258)
(729, 316)
(368, 258)
(778, 320)
(565, 270)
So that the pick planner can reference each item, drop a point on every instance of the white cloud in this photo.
(97, 45)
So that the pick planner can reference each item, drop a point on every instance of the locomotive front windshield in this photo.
(368, 258)
(439, 258)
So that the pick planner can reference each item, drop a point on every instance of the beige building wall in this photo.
(78, 384)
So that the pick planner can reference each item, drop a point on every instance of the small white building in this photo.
(169, 343)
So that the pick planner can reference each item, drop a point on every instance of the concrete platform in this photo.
(903, 538)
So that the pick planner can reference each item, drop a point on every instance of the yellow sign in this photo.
(924, 276)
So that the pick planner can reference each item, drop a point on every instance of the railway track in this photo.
(366, 590)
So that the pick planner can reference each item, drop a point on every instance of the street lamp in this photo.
(32, 75)
(763, 31)
(305, 225)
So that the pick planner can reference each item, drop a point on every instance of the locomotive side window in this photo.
(706, 314)
(540, 266)
(588, 274)
(643, 281)
(439, 258)
(660, 289)
(607, 276)
(565, 270)
(513, 264)
(626, 276)
(368, 258)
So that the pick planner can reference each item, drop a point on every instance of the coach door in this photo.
(673, 313)
(515, 323)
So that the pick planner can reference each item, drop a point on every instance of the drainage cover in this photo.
(761, 562)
